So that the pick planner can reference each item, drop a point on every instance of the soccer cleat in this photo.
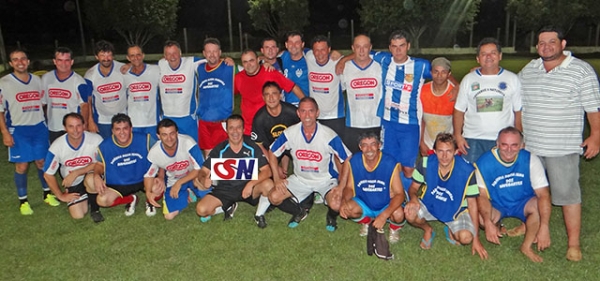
(97, 216)
(150, 210)
(205, 219)
(296, 219)
(130, 207)
(26, 209)
(364, 229)
(318, 198)
(51, 200)
(260, 221)
(394, 235)
(230, 212)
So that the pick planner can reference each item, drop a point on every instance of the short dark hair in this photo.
(489, 40)
(63, 50)
(309, 99)
(271, 84)
(120, 118)
(266, 39)
(18, 50)
(211, 40)
(234, 117)
(445, 138)
(134, 45)
(248, 50)
(549, 28)
(104, 46)
(165, 123)
(170, 43)
(510, 130)
(73, 115)
(399, 34)
(294, 33)
(368, 135)
(320, 38)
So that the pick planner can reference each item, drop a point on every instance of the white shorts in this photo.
(300, 189)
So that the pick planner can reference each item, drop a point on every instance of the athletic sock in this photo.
(43, 181)
(332, 213)
(122, 200)
(21, 183)
(21, 201)
(289, 206)
(93, 203)
(365, 220)
(219, 210)
(396, 226)
(263, 205)
(308, 202)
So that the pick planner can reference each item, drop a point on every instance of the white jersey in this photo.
(21, 101)
(142, 96)
(325, 87)
(313, 159)
(62, 154)
(109, 95)
(62, 97)
(177, 166)
(178, 87)
(363, 90)
(489, 103)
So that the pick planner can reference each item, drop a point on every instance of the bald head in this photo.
(361, 48)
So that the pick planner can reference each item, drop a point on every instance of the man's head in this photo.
(294, 43)
(445, 148)
(271, 93)
(551, 43)
(250, 61)
(212, 51)
(509, 143)
(269, 48)
(19, 61)
(104, 51)
(489, 54)
(73, 123)
(308, 111)
(63, 60)
(399, 45)
(135, 55)
(172, 53)
(440, 70)
(321, 47)
(362, 48)
(370, 145)
(121, 128)
(234, 125)
(167, 132)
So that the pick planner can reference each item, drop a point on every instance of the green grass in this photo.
(50, 245)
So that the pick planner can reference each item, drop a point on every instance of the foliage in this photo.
(443, 17)
(137, 21)
(534, 14)
(276, 17)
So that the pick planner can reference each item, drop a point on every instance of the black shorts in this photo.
(230, 195)
(125, 190)
(80, 189)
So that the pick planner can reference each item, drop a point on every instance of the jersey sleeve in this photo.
(285, 83)
(51, 163)
(279, 145)
(537, 173)
(461, 100)
(196, 155)
(339, 149)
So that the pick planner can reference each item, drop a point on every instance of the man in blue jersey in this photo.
(516, 185)
(373, 190)
(269, 51)
(294, 65)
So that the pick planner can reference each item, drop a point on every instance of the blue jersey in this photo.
(216, 92)
(125, 165)
(373, 186)
(297, 71)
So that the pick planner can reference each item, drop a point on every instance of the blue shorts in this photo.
(401, 141)
(367, 212)
(171, 204)
(516, 210)
(105, 130)
(477, 147)
(187, 125)
(31, 143)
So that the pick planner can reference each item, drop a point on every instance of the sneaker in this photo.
(331, 222)
(205, 219)
(296, 219)
(130, 207)
(260, 221)
(51, 200)
(230, 211)
(394, 235)
(364, 229)
(26, 209)
(97, 216)
(150, 210)
(318, 198)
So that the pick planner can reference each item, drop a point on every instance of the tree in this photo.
(534, 14)
(444, 17)
(137, 21)
(276, 17)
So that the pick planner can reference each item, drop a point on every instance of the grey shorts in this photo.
(462, 222)
(563, 177)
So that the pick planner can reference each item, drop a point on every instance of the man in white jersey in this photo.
(141, 82)
(362, 81)
(489, 99)
(23, 128)
(558, 90)
(65, 91)
(75, 154)
(108, 96)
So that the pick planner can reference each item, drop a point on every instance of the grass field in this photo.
(50, 245)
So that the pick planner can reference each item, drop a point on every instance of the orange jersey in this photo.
(438, 105)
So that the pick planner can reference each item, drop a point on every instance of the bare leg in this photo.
(532, 227)
(572, 218)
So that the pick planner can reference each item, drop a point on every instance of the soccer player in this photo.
(294, 65)
(23, 128)
(226, 193)
(75, 154)
(64, 91)
(269, 51)
(108, 95)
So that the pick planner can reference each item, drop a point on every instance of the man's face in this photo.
(122, 132)
(235, 131)
(361, 48)
(509, 145)
(269, 49)
(308, 113)
(549, 47)
(440, 75)
(250, 63)
(212, 53)
(489, 57)
(445, 153)
(135, 56)
(399, 49)
(105, 59)
(321, 52)
(173, 56)
(19, 62)
(272, 96)
(74, 128)
(370, 148)
(168, 136)
(63, 62)
(294, 45)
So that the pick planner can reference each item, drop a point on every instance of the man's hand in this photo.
(543, 238)
(247, 191)
(412, 208)
(345, 210)
(462, 144)
(92, 127)
(69, 179)
(268, 67)
(150, 199)
(159, 185)
(281, 185)
(282, 173)
(8, 140)
(175, 190)
(453, 94)
(229, 61)
(99, 184)
(492, 233)
(591, 146)
(68, 197)
(478, 248)
(379, 221)
(125, 68)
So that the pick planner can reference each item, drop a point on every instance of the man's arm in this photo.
(545, 208)
(74, 174)
(298, 92)
(99, 184)
(593, 141)
(518, 122)
(397, 195)
(280, 184)
(263, 173)
(476, 246)
(6, 136)
(458, 122)
(339, 67)
(177, 186)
